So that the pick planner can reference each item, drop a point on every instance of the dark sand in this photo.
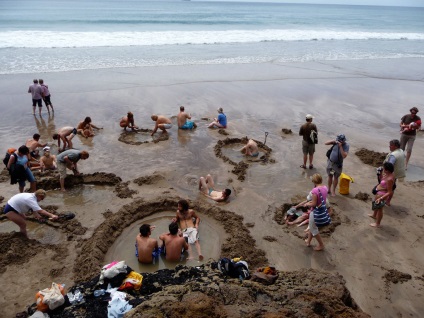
(362, 99)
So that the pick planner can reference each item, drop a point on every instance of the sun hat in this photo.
(309, 116)
(46, 148)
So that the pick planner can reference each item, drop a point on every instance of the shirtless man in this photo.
(162, 123)
(85, 128)
(65, 134)
(33, 143)
(174, 243)
(251, 149)
(146, 247)
(128, 121)
(185, 217)
(206, 185)
(183, 123)
(48, 161)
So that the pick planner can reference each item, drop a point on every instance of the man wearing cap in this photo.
(409, 125)
(339, 152)
(48, 161)
(309, 132)
(68, 159)
(221, 121)
(37, 94)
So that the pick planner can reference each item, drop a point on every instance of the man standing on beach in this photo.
(37, 94)
(409, 125)
(46, 95)
(68, 159)
(185, 218)
(65, 134)
(182, 119)
(174, 244)
(339, 152)
(309, 132)
(162, 123)
(146, 247)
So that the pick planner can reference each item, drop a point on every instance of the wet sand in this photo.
(362, 99)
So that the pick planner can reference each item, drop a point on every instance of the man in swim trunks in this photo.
(146, 247)
(221, 121)
(48, 161)
(173, 243)
(65, 134)
(251, 149)
(182, 119)
(162, 123)
(68, 159)
(185, 218)
(33, 143)
(206, 185)
(407, 136)
(37, 94)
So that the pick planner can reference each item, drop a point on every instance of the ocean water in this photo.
(49, 36)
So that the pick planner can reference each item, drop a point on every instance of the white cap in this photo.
(46, 148)
(309, 116)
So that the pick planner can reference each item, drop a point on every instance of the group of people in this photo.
(393, 168)
(40, 92)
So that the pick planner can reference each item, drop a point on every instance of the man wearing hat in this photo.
(309, 132)
(338, 153)
(409, 125)
(48, 161)
(221, 121)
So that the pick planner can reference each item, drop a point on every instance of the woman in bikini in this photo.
(384, 192)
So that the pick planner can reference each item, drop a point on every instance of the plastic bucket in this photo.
(344, 183)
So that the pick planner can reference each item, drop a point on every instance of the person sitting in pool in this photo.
(189, 228)
(206, 185)
(251, 149)
(128, 121)
(48, 161)
(86, 128)
(182, 119)
(173, 243)
(161, 122)
(146, 248)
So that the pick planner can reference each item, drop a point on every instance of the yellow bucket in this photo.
(344, 183)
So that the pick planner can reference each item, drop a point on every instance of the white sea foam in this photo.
(52, 39)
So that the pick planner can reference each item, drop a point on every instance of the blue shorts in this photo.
(187, 125)
(30, 177)
(8, 208)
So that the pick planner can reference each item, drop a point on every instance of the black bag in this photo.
(329, 151)
(313, 137)
(234, 270)
(376, 206)
(374, 190)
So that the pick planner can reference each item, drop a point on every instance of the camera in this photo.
(379, 170)
(332, 172)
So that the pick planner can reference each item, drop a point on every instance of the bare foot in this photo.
(308, 243)
(333, 194)
(375, 225)
(371, 216)
(319, 248)
(200, 257)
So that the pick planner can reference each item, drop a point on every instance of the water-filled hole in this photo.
(41, 232)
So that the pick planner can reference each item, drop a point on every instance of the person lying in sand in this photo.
(250, 149)
(189, 229)
(22, 203)
(48, 161)
(161, 122)
(206, 185)
(146, 248)
(303, 218)
(173, 244)
(65, 134)
(86, 128)
(128, 121)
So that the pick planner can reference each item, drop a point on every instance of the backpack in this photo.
(329, 151)
(313, 137)
(6, 159)
(232, 269)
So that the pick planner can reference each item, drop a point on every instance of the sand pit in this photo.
(91, 258)
(370, 157)
(241, 167)
(141, 136)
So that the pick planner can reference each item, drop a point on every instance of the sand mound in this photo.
(152, 179)
(394, 276)
(370, 157)
(98, 178)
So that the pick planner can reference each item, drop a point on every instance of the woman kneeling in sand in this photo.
(319, 216)
(384, 192)
(128, 121)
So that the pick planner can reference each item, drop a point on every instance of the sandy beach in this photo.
(363, 99)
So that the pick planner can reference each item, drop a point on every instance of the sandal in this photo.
(311, 166)
(303, 166)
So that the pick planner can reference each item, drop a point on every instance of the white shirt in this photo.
(23, 202)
